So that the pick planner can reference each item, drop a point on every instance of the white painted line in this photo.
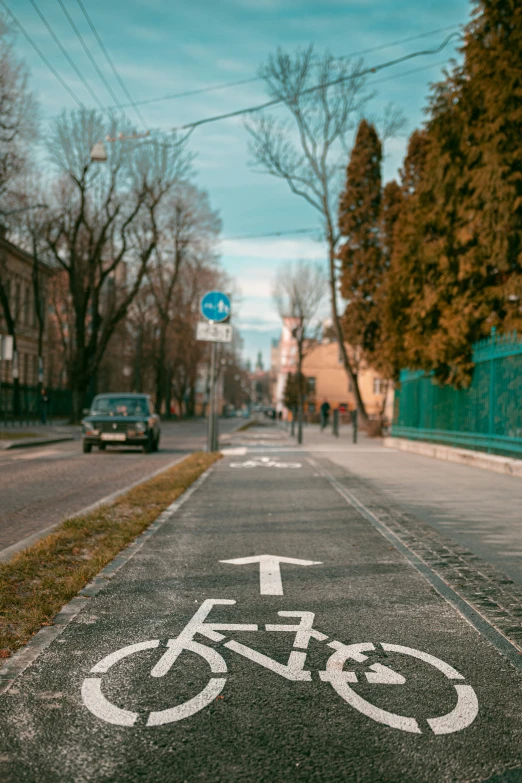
(8, 552)
(270, 582)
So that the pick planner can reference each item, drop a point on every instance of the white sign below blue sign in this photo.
(215, 306)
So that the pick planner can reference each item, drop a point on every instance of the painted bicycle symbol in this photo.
(264, 462)
(461, 716)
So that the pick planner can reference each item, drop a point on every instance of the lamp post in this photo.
(99, 152)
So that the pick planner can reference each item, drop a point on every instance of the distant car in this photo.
(121, 420)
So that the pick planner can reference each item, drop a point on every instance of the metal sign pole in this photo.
(210, 439)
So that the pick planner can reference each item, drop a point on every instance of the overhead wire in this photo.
(317, 229)
(91, 58)
(272, 234)
(39, 52)
(251, 79)
(308, 90)
(67, 56)
(113, 67)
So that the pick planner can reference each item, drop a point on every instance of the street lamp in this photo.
(98, 151)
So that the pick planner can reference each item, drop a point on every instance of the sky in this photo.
(166, 47)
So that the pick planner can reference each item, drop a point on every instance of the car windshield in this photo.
(120, 406)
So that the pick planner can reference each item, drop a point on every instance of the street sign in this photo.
(6, 347)
(214, 333)
(215, 306)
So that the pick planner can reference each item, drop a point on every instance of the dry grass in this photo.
(36, 583)
(13, 435)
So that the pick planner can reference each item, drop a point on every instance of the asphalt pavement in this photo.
(271, 628)
(41, 486)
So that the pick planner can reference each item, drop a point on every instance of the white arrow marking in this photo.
(270, 582)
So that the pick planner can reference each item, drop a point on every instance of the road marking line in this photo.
(466, 610)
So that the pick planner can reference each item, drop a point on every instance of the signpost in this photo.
(215, 308)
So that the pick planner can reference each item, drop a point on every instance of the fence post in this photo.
(354, 423)
(491, 423)
(335, 423)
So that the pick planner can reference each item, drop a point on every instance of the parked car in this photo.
(121, 420)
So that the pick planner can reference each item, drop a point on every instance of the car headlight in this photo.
(141, 426)
(89, 429)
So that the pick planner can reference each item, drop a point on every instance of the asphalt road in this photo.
(43, 485)
(353, 695)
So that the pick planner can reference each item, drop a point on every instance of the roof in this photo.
(122, 394)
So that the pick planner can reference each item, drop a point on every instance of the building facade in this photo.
(327, 380)
(16, 278)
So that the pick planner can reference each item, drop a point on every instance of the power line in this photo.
(66, 55)
(91, 58)
(41, 54)
(251, 79)
(272, 234)
(308, 90)
(114, 69)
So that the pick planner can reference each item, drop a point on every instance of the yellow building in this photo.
(323, 366)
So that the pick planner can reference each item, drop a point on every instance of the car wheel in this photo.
(149, 445)
(87, 447)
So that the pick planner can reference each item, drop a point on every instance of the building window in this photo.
(26, 305)
(311, 385)
(377, 386)
(17, 302)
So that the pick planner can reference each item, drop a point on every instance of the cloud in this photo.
(279, 249)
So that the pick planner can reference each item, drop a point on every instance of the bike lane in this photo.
(375, 678)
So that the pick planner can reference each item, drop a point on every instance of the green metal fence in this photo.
(487, 416)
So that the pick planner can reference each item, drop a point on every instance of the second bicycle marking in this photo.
(456, 719)
(265, 462)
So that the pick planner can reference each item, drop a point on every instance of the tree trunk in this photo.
(340, 337)
(79, 390)
(160, 367)
(168, 392)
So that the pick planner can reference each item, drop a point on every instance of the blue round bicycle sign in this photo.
(215, 306)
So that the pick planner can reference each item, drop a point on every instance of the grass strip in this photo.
(4, 435)
(37, 582)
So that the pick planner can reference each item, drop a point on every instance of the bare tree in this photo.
(298, 292)
(188, 230)
(18, 129)
(325, 98)
(103, 228)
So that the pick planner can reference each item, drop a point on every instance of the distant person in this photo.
(325, 412)
(44, 403)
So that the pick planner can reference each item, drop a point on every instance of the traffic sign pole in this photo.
(211, 394)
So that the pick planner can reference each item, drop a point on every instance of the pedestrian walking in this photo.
(325, 412)
(44, 403)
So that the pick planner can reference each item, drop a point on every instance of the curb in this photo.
(9, 552)
(28, 442)
(473, 459)
(43, 638)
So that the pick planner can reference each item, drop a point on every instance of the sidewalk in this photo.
(54, 432)
(480, 510)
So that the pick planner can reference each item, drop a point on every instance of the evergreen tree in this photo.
(360, 254)
(457, 260)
